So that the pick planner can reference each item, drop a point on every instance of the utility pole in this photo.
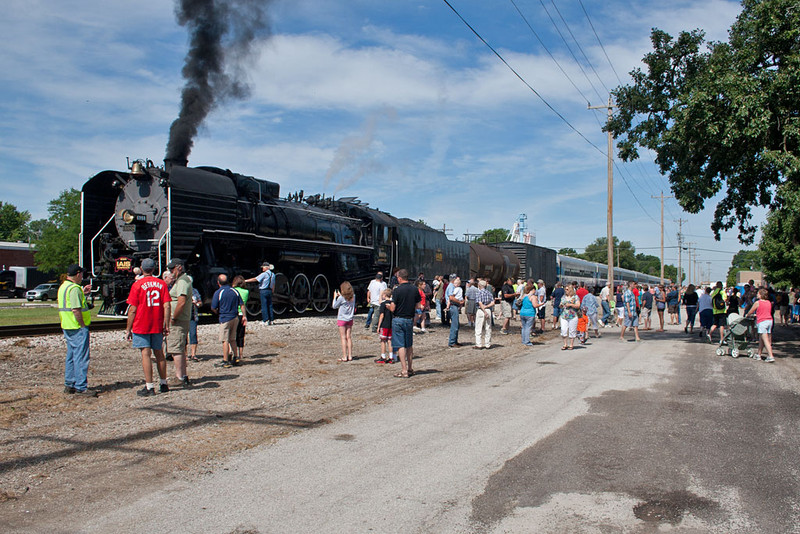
(680, 248)
(610, 211)
(662, 197)
(689, 275)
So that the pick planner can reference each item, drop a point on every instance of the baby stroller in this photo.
(736, 336)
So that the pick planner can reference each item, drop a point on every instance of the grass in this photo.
(14, 313)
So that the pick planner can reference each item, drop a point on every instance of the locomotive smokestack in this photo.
(221, 30)
(172, 162)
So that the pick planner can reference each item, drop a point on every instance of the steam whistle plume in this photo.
(358, 151)
(222, 37)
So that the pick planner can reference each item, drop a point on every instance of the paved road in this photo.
(611, 437)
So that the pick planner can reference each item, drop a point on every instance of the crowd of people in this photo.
(163, 315)
(579, 312)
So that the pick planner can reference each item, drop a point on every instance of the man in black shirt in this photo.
(507, 301)
(405, 300)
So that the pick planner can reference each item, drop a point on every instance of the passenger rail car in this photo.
(594, 275)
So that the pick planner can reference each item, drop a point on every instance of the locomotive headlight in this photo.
(129, 217)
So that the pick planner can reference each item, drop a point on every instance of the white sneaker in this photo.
(769, 359)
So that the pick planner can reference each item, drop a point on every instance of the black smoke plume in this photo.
(223, 33)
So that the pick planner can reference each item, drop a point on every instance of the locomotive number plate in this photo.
(439, 255)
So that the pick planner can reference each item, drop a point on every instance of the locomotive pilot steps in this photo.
(218, 221)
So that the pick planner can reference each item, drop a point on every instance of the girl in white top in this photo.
(345, 302)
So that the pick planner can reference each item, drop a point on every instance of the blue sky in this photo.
(394, 102)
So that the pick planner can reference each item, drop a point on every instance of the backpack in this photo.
(718, 301)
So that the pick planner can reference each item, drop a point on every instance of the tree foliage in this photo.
(744, 260)
(628, 259)
(720, 117)
(624, 252)
(13, 223)
(495, 235)
(58, 245)
(568, 252)
(780, 240)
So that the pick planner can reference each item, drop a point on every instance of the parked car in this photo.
(42, 292)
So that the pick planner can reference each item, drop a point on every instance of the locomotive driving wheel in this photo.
(301, 293)
(320, 293)
(280, 295)
(253, 306)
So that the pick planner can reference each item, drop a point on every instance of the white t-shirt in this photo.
(375, 289)
(604, 293)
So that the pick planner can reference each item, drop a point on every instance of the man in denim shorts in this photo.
(148, 313)
(405, 300)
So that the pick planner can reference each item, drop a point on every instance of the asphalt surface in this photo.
(615, 436)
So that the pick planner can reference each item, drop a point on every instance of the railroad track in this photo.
(30, 330)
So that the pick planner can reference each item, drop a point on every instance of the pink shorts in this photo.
(345, 323)
(386, 334)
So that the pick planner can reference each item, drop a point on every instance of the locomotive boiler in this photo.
(219, 221)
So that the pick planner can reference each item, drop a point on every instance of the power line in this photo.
(501, 58)
(534, 91)
(541, 42)
(599, 42)
(588, 61)
(569, 49)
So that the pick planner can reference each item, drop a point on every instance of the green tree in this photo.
(12, 222)
(744, 260)
(58, 245)
(624, 252)
(495, 235)
(648, 264)
(723, 117)
(568, 252)
(780, 240)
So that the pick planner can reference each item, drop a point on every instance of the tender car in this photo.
(42, 292)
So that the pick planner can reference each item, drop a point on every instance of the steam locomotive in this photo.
(219, 221)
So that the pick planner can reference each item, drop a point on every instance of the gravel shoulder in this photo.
(65, 457)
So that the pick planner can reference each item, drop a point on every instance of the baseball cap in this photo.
(174, 262)
(74, 269)
(148, 265)
(267, 264)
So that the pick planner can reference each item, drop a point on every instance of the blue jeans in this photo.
(266, 305)
(453, 325)
(370, 313)
(606, 311)
(193, 332)
(76, 368)
(527, 324)
(691, 313)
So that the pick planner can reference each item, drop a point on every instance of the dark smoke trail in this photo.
(223, 33)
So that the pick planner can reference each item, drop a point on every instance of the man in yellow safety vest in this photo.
(75, 318)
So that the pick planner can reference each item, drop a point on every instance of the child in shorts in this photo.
(385, 328)
(583, 327)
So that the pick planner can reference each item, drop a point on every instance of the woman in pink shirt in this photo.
(762, 308)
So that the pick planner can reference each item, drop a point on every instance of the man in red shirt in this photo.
(581, 291)
(148, 312)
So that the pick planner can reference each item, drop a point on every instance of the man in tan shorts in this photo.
(225, 303)
(181, 294)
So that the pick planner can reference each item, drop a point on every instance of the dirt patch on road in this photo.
(66, 457)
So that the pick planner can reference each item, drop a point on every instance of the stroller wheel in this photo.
(720, 351)
(734, 353)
